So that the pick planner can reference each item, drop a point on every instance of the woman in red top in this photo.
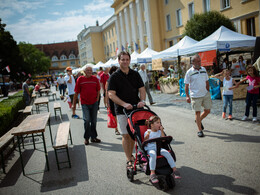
(88, 86)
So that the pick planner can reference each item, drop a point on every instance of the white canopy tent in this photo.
(146, 56)
(115, 62)
(173, 51)
(222, 39)
(97, 66)
(108, 63)
(134, 56)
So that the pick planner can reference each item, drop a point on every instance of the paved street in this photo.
(226, 161)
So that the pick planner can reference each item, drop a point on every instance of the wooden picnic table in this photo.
(41, 101)
(46, 91)
(33, 124)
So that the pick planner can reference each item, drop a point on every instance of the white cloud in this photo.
(49, 31)
(98, 5)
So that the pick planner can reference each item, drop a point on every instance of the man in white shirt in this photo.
(70, 81)
(61, 83)
(196, 80)
(145, 79)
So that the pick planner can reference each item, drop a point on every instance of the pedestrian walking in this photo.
(70, 81)
(145, 79)
(26, 92)
(228, 86)
(124, 86)
(61, 83)
(196, 81)
(103, 79)
(252, 91)
(89, 88)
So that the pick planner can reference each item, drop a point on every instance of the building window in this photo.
(110, 48)
(63, 57)
(179, 18)
(114, 46)
(170, 43)
(168, 22)
(72, 62)
(109, 33)
(145, 30)
(105, 49)
(72, 56)
(54, 58)
(191, 10)
(112, 32)
(225, 4)
(166, 2)
(64, 63)
(250, 26)
(206, 4)
(55, 64)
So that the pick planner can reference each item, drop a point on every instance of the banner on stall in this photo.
(208, 57)
(157, 64)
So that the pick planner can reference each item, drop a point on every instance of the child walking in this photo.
(156, 130)
(228, 86)
(252, 91)
(67, 98)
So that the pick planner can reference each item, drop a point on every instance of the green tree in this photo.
(35, 61)
(9, 54)
(202, 25)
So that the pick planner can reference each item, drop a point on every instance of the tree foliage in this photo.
(9, 53)
(35, 61)
(202, 25)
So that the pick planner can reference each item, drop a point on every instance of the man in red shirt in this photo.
(103, 79)
(88, 86)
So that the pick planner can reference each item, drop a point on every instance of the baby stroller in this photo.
(136, 128)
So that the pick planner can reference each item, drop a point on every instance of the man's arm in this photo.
(142, 97)
(187, 93)
(70, 80)
(74, 101)
(207, 85)
(112, 95)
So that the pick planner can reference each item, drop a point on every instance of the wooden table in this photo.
(40, 101)
(46, 91)
(33, 124)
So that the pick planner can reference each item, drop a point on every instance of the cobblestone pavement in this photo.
(177, 100)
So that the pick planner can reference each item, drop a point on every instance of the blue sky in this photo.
(49, 21)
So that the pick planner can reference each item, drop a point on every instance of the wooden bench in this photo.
(54, 94)
(28, 110)
(5, 140)
(61, 142)
(56, 107)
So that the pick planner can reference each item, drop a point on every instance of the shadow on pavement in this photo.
(234, 137)
(106, 146)
(58, 179)
(196, 182)
(14, 173)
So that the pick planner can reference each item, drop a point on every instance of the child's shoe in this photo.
(230, 117)
(75, 116)
(176, 175)
(223, 115)
(254, 119)
(244, 118)
(154, 179)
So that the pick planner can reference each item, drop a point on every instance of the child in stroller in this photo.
(156, 130)
(137, 126)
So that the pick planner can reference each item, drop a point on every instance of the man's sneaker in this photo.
(244, 118)
(200, 134)
(223, 115)
(230, 117)
(75, 116)
(154, 179)
(96, 140)
(254, 119)
(176, 175)
(152, 103)
(202, 127)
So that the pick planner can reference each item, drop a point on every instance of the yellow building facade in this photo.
(159, 24)
(97, 43)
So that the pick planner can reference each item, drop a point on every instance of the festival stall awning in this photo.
(222, 39)
(134, 56)
(146, 56)
(173, 51)
(108, 63)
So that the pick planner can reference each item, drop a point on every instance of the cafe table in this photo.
(33, 125)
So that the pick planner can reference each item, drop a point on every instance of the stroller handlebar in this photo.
(126, 112)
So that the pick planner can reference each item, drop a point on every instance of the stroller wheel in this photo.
(170, 181)
(163, 184)
(130, 174)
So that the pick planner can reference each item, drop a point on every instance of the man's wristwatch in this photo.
(142, 101)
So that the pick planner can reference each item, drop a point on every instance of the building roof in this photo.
(58, 49)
